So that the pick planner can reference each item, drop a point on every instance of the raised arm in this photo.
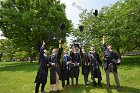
(79, 58)
(60, 49)
(81, 53)
(71, 53)
(64, 63)
(41, 52)
(103, 44)
(50, 60)
(99, 60)
(60, 45)
(42, 47)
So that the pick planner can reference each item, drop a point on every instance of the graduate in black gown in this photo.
(111, 60)
(55, 69)
(94, 66)
(42, 73)
(85, 65)
(66, 60)
(74, 66)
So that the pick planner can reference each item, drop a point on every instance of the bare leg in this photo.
(57, 82)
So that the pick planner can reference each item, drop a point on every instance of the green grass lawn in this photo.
(18, 77)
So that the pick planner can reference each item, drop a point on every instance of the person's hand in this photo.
(80, 45)
(103, 39)
(53, 64)
(48, 65)
(72, 50)
(119, 61)
(43, 43)
(60, 41)
(69, 62)
(78, 64)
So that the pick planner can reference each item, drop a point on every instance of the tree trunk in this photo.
(1, 54)
(31, 57)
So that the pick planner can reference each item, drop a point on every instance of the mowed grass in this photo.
(18, 77)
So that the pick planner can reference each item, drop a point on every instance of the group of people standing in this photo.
(69, 67)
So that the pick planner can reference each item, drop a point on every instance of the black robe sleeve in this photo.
(41, 53)
(50, 60)
(71, 54)
(59, 56)
(44, 62)
(116, 57)
(79, 60)
(59, 53)
(81, 53)
(82, 56)
(64, 64)
(98, 59)
(104, 46)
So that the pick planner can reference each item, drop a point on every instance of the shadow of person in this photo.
(104, 87)
(81, 88)
(125, 89)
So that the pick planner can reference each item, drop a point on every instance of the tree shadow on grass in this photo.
(81, 88)
(130, 62)
(19, 66)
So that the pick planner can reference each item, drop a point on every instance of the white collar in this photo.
(110, 50)
(65, 55)
(75, 52)
(54, 53)
(92, 51)
(45, 55)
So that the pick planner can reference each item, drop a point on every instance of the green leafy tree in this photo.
(118, 22)
(29, 22)
(7, 49)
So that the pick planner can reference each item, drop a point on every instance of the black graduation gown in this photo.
(42, 73)
(41, 53)
(85, 63)
(55, 59)
(94, 65)
(74, 67)
(109, 57)
(65, 67)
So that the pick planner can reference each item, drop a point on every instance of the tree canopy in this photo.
(29, 22)
(119, 23)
